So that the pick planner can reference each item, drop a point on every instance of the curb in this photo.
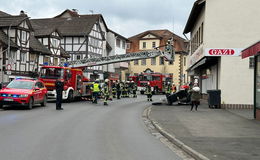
(173, 139)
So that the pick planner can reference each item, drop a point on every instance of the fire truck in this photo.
(157, 81)
(75, 84)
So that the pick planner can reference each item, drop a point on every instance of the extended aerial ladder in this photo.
(89, 62)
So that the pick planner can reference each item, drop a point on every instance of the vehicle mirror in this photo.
(36, 88)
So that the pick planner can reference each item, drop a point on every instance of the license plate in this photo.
(7, 99)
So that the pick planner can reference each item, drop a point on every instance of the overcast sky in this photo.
(126, 17)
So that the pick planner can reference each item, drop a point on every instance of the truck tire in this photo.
(70, 97)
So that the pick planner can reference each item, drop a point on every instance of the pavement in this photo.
(216, 134)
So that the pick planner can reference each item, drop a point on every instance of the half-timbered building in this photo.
(83, 36)
(15, 33)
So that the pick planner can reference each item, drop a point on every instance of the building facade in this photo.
(149, 40)
(216, 44)
(118, 47)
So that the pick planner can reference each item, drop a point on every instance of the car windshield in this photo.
(51, 73)
(20, 84)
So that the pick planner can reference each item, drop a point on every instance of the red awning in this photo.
(252, 50)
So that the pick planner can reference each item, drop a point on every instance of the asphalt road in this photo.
(82, 131)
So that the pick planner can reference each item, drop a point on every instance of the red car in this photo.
(24, 92)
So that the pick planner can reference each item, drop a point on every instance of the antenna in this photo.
(91, 11)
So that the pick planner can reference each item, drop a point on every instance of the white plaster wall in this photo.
(233, 25)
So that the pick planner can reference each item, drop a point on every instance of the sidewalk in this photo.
(215, 133)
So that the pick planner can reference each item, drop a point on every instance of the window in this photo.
(153, 61)
(56, 61)
(251, 62)
(23, 36)
(23, 57)
(123, 44)
(128, 45)
(154, 44)
(135, 62)
(143, 62)
(118, 42)
(33, 57)
(161, 61)
(55, 43)
(184, 61)
(170, 63)
(144, 45)
(78, 57)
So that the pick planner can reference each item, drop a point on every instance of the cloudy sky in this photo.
(126, 17)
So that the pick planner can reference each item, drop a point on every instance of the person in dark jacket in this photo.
(195, 97)
(118, 89)
(59, 89)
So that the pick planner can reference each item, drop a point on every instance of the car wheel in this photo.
(43, 104)
(30, 104)
(1, 106)
(70, 97)
(142, 92)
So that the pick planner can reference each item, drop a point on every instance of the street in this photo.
(81, 131)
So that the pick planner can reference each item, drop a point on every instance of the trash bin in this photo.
(214, 98)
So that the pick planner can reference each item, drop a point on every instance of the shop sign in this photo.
(196, 56)
(223, 51)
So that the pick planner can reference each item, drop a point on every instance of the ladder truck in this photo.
(75, 84)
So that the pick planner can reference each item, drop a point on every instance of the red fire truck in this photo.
(156, 80)
(74, 81)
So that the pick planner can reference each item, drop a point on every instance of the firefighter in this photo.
(118, 89)
(127, 89)
(95, 91)
(123, 89)
(168, 89)
(148, 92)
(174, 88)
(106, 91)
(114, 89)
(59, 89)
(134, 89)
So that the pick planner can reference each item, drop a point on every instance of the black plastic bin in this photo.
(214, 98)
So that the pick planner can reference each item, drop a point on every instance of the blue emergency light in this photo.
(66, 64)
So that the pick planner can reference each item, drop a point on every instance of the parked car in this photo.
(24, 92)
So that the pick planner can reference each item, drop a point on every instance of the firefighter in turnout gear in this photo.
(168, 89)
(134, 89)
(148, 92)
(95, 88)
(106, 91)
(113, 89)
(118, 89)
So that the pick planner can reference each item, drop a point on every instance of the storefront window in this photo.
(258, 82)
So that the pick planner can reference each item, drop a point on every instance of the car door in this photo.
(37, 92)
(43, 91)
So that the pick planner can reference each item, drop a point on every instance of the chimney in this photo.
(22, 13)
